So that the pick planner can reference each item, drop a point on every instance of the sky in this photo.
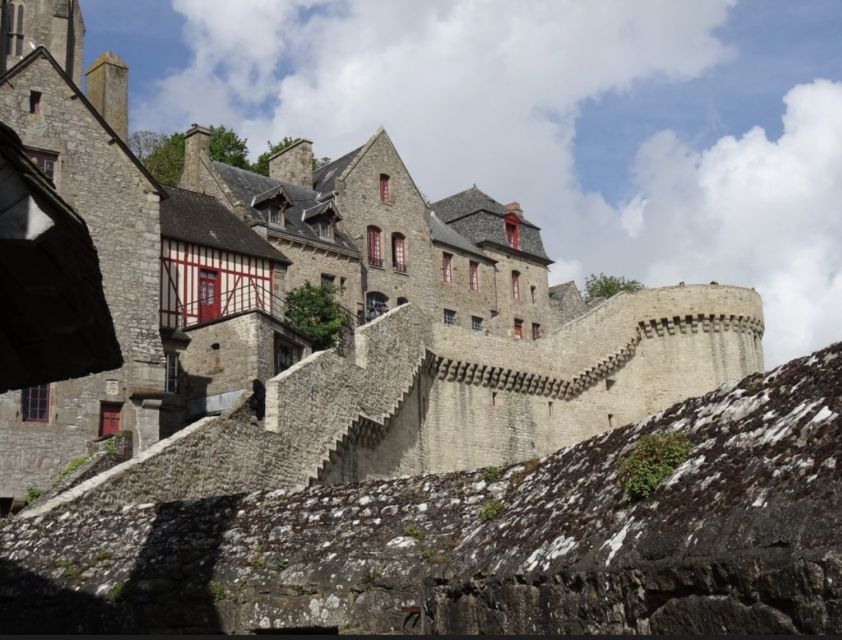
(661, 140)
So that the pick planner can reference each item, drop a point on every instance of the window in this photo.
(14, 43)
(476, 323)
(46, 162)
(35, 403)
(343, 286)
(550, 408)
(375, 251)
(35, 102)
(399, 252)
(449, 316)
(384, 188)
(328, 280)
(284, 355)
(171, 374)
(518, 329)
(532, 292)
(473, 275)
(447, 267)
(536, 331)
(493, 398)
(512, 235)
(276, 215)
(324, 229)
(516, 285)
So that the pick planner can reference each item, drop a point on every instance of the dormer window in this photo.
(276, 214)
(384, 188)
(324, 228)
(512, 233)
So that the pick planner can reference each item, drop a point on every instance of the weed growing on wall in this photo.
(491, 474)
(653, 458)
(32, 494)
(71, 467)
(490, 510)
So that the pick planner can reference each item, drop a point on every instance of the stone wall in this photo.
(405, 213)
(743, 537)
(122, 213)
(457, 294)
(310, 263)
(534, 303)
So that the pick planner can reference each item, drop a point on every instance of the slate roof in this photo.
(478, 217)
(200, 219)
(441, 232)
(558, 291)
(467, 202)
(324, 178)
(248, 187)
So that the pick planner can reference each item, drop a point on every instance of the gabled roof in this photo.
(43, 52)
(249, 187)
(469, 201)
(558, 291)
(200, 219)
(324, 178)
(442, 233)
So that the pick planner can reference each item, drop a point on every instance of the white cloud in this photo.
(755, 212)
(488, 92)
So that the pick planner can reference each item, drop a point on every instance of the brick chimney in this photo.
(108, 91)
(514, 207)
(196, 147)
(294, 164)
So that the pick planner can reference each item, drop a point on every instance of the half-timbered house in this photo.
(221, 320)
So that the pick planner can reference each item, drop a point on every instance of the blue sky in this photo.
(663, 140)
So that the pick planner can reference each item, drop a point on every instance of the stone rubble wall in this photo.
(743, 537)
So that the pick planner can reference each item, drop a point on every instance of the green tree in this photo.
(166, 161)
(314, 311)
(262, 164)
(603, 286)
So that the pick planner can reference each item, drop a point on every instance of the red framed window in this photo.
(35, 403)
(109, 418)
(473, 275)
(375, 251)
(399, 252)
(447, 268)
(518, 329)
(536, 331)
(512, 234)
(384, 188)
(208, 295)
(516, 285)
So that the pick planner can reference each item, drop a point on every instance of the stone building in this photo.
(95, 172)
(54, 24)
(466, 356)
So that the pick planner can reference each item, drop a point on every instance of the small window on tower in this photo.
(476, 323)
(518, 329)
(449, 316)
(35, 102)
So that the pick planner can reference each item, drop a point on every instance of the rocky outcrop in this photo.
(744, 536)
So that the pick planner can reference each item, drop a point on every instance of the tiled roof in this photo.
(200, 219)
(248, 186)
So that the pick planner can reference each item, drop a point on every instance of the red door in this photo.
(208, 295)
(109, 419)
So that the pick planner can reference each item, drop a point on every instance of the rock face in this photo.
(744, 536)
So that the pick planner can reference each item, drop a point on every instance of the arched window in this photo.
(375, 250)
(516, 285)
(399, 252)
(376, 304)
(384, 188)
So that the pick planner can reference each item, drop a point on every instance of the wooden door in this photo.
(208, 295)
(109, 419)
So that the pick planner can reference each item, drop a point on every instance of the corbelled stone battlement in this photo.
(744, 536)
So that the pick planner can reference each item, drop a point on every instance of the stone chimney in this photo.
(108, 91)
(514, 207)
(294, 164)
(196, 147)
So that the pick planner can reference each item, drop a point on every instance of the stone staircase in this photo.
(364, 430)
